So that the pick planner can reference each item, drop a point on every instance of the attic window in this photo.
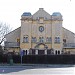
(41, 21)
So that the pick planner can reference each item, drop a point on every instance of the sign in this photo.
(21, 52)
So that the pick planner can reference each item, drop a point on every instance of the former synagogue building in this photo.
(41, 34)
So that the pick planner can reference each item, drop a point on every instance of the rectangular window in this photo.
(57, 39)
(25, 39)
(34, 40)
(48, 40)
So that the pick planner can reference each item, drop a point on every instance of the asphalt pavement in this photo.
(36, 69)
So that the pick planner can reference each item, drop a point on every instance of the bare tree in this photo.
(4, 29)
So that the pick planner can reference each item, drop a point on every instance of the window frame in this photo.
(57, 39)
(41, 28)
(33, 39)
(25, 39)
(41, 39)
(48, 40)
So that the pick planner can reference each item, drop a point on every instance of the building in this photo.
(41, 33)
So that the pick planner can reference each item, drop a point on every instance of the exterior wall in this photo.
(57, 32)
(13, 49)
(25, 30)
(33, 30)
(69, 50)
(36, 33)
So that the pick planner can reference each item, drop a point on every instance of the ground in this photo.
(38, 69)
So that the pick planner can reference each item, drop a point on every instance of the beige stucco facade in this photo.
(42, 33)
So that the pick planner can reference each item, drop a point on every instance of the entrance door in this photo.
(57, 52)
(41, 52)
(48, 52)
(33, 52)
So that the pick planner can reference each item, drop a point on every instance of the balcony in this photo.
(12, 44)
(69, 45)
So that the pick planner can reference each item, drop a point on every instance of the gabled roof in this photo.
(68, 30)
(41, 13)
(19, 28)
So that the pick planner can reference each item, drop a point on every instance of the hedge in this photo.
(39, 59)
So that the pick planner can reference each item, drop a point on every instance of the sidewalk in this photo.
(36, 65)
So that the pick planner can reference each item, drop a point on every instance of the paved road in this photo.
(38, 69)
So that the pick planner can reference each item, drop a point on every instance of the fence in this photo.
(39, 59)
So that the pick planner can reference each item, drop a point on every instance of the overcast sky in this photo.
(11, 10)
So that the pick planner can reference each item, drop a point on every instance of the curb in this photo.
(34, 65)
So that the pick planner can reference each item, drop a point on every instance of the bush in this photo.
(1, 50)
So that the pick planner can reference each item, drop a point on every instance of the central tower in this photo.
(41, 33)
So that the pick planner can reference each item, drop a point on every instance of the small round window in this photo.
(41, 28)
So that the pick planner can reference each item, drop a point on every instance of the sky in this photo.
(11, 11)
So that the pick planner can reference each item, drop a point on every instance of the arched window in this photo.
(48, 40)
(34, 40)
(57, 39)
(25, 39)
(57, 52)
(41, 39)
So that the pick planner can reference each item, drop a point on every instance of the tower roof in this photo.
(26, 14)
(56, 14)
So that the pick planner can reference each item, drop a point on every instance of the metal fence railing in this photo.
(69, 45)
(12, 44)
